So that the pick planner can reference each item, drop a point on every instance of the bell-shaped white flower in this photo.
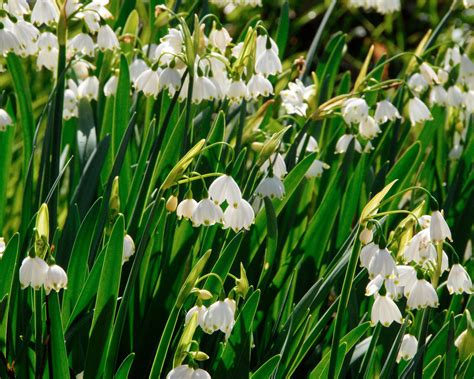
(89, 88)
(455, 97)
(428, 74)
(82, 43)
(316, 169)
(200, 310)
(382, 263)
(386, 111)
(3, 246)
(239, 216)
(148, 82)
(220, 38)
(366, 236)
(272, 187)
(355, 110)
(170, 79)
(207, 213)
(367, 253)
(408, 348)
(203, 89)
(419, 247)
(106, 38)
(237, 91)
(277, 164)
(469, 101)
(56, 278)
(406, 278)
(44, 12)
(417, 83)
(187, 372)
(368, 128)
(438, 95)
(136, 68)
(128, 248)
(110, 87)
(385, 311)
(224, 188)
(459, 280)
(186, 208)
(33, 272)
(294, 99)
(259, 85)
(70, 109)
(311, 145)
(422, 295)
(268, 63)
(8, 41)
(439, 229)
(18, 8)
(26, 33)
(264, 42)
(376, 283)
(220, 316)
(344, 141)
(466, 69)
(387, 6)
(5, 119)
(418, 111)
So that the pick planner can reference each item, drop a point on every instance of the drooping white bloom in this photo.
(170, 79)
(238, 216)
(186, 208)
(3, 247)
(385, 311)
(258, 85)
(207, 213)
(106, 38)
(367, 253)
(438, 95)
(89, 88)
(355, 110)
(220, 316)
(295, 98)
(422, 295)
(33, 272)
(406, 278)
(18, 8)
(468, 3)
(5, 119)
(368, 128)
(343, 143)
(466, 69)
(220, 38)
(200, 310)
(417, 83)
(439, 229)
(56, 278)
(82, 43)
(408, 348)
(148, 82)
(27, 35)
(459, 280)
(387, 6)
(272, 187)
(419, 247)
(224, 188)
(187, 372)
(8, 42)
(386, 111)
(418, 111)
(469, 101)
(71, 108)
(455, 97)
(428, 74)
(264, 42)
(316, 169)
(277, 164)
(203, 89)
(44, 12)
(110, 87)
(237, 91)
(382, 263)
(128, 248)
(137, 67)
(376, 283)
(268, 63)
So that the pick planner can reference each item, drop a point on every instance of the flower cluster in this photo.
(226, 3)
(380, 6)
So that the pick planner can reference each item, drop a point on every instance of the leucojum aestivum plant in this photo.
(236, 189)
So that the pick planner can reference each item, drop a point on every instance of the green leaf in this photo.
(58, 347)
(266, 370)
(6, 142)
(430, 370)
(106, 301)
(283, 29)
(124, 369)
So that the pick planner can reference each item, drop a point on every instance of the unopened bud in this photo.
(172, 203)
(199, 356)
(465, 341)
(242, 284)
(204, 294)
(366, 236)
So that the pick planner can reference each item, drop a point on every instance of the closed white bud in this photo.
(128, 248)
(366, 236)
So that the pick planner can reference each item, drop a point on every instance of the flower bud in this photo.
(366, 236)
(172, 203)
(465, 341)
(204, 294)
(199, 356)
(42, 231)
(242, 284)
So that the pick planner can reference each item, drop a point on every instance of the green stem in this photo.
(439, 261)
(240, 130)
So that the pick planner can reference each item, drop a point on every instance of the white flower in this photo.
(56, 278)
(110, 87)
(439, 229)
(128, 248)
(239, 216)
(455, 97)
(203, 89)
(200, 310)
(33, 272)
(148, 82)
(237, 91)
(170, 79)
(418, 111)
(3, 247)
(26, 33)
(468, 3)
(382, 263)
(469, 101)
(385, 311)
(277, 164)
(387, 6)
(264, 42)
(355, 110)
(438, 95)
(220, 316)
(70, 103)
(89, 88)
(259, 85)
(295, 97)
(81, 69)
(466, 69)
(408, 348)
(367, 253)
(225, 188)
(272, 187)
(406, 278)
(82, 43)
(417, 83)
(5, 119)
(459, 280)
(422, 295)
(386, 111)
(220, 38)
(343, 143)
(268, 63)
(8, 41)
(428, 74)
(137, 67)
(375, 284)
(368, 128)
(187, 372)
(106, 38)
(419, 248)
(18, 8)
(44, 12)
(186, 208)
(207, 213)
(316, 169)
